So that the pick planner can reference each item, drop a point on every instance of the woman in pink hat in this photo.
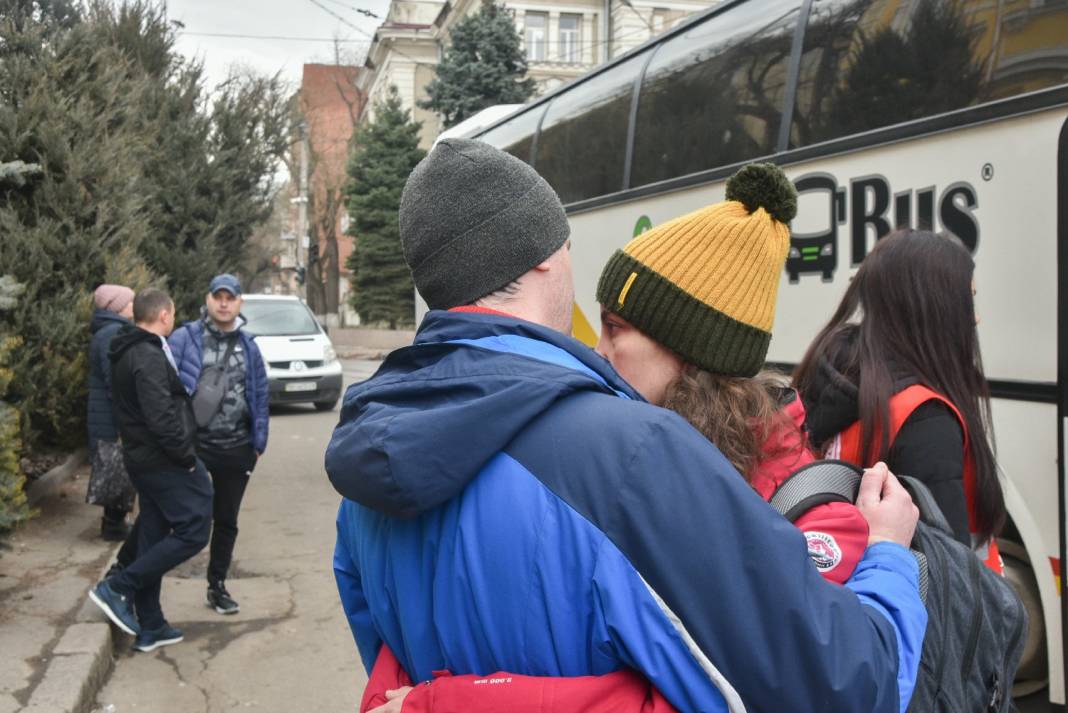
(109, 485)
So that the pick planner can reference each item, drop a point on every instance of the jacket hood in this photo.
(832, 401)
(103, 317)
(413, 435)
(128, 336)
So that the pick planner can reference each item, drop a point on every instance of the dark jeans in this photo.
(174, 525)
(230, 469)
(128, 551)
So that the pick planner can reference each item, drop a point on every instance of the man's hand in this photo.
(396, 700)
(887, 507)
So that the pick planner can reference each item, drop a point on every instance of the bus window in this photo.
(713, 95)
(869, 63)
(583, 141)
(516, 136)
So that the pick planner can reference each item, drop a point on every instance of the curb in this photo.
(363, 353)
(80, 664)
(50, 481)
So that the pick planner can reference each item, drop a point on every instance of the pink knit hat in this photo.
(113, 297)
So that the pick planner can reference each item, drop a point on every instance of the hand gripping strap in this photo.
(829, 481)
(819, 482)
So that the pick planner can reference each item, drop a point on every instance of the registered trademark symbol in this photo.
(988, 171)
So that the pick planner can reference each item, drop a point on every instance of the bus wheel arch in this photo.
(1033, 672)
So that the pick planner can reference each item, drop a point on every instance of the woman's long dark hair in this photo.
(913, 298)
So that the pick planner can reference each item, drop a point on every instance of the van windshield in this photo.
(278, 318)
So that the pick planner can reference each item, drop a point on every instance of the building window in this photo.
(664, 19)
(659, 20)
(536, 35)
(570, 38)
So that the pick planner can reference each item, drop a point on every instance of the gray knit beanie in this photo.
(473, 219)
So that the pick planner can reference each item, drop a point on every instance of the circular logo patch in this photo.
(823, 550)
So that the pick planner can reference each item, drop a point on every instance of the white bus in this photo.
(948, 114)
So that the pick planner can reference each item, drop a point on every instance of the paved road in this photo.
(289, 649)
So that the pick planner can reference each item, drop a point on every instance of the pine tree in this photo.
(386, 151)
(13, 508)
(114, 167)
(483, 66)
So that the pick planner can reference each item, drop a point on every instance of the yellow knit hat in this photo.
(704, 285)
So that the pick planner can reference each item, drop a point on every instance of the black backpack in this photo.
(977, 626)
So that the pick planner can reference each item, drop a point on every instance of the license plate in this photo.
(300, 386)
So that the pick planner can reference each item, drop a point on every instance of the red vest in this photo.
(902, 404)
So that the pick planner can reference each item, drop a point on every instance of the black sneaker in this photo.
(117, 606)
(155, 638)
(220, 600)
(113, 570)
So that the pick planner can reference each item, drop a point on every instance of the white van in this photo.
(302, 365)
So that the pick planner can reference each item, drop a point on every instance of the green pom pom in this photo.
(764, 185)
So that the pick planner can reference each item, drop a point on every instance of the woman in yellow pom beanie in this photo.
(686, 315)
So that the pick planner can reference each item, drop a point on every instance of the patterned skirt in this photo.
(109, 484)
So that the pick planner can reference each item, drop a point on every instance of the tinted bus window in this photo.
(713, 95)
(583, 140)
(872, 63)
(516, 136)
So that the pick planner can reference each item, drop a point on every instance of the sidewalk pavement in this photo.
(57, 647)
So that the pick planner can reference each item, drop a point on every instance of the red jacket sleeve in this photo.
(386, 675)
(619, 692)
(837, 535)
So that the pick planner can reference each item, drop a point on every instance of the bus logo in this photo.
(874, 208)
(642, 225)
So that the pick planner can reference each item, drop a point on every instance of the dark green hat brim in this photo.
(700, 334)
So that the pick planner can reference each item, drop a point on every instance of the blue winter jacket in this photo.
(187, 345)
(511, 504)
(100, 412)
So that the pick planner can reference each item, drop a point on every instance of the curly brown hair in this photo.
(737, 414)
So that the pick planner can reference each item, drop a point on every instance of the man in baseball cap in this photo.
(221, 366)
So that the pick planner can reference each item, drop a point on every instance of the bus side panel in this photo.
(995, 186)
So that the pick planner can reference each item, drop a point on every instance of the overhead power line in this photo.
(341, 19)
(360, 10)
(273, 37)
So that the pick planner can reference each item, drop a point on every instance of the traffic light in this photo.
(300, 275)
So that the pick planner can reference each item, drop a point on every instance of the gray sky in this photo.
(272, 18)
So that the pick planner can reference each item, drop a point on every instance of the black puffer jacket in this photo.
(152, 408)
(929, 446)
(101, 415)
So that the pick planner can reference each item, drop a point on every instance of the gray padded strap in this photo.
(823, 481)
(925, 502)
(925, 575)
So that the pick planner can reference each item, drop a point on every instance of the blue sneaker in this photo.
(117, 606)
(152, 639)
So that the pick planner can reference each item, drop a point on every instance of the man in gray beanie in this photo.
(474, 219)
(511, 504)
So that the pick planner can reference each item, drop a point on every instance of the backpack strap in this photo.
(838, 481)
(818, 483)
(925, 502)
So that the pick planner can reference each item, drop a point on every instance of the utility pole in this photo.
(302, 212)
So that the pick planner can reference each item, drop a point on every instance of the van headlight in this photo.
(827, 250)
(329, 354)
(794, 252)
